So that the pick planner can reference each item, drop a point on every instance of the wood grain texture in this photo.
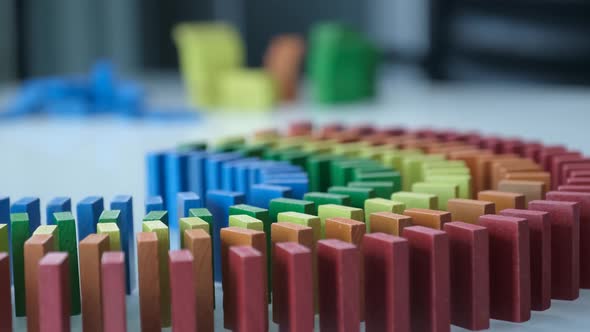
(5, 294)
(54, 293)
(247, 274)
(532, 190)
(198, 242)
(389, 223)
(183, 294)
(469, 210)
(502, 199)
(163, 235)
(91, 249)
(113, 291)
(35, 248)
(148, 275)
(428, 218)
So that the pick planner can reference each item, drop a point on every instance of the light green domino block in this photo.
(444, 191)
(229, 143)
(252, 89)
(350, 150)
(411, 169)
(393, 159)
(163, 236)
(110, 216)
(342, 172)
(416, 200)
(245, 221)
(443, 164)
(447, 171)
(66, 227)
(112, 230)
(319, 198)
(463, 181)
(49, 230)
(381, 205)
(192, 223)
(157, 215)
(303, 219)
(333, 210)
(4, 238)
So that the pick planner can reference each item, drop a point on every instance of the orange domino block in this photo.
(483, 169)
(198, 242)
(532, 190)
(544, 177)
(503, 200)
(35, 248)
(428, 218)
(283, 60)
(183, 295)
(90, 251)
(5, 294)
(469, 210)
(148, 275)
(502, 167)
(471, 157)
(247, 274)
(112, 271)
(54, 292)
(389, 223)
(237, 236)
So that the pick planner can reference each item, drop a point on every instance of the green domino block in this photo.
(319, 170)
(49, 230)
(375, 152)
(393, 176)
(394, 159)
(326, 198)
(357, 195)
(443, 164)
(295, 157)
(350, 150)
(411, 169)
(112, 230)
(4, 238)
(305, 220)
(163, 236)
(444, 191)
(258, 213)
(416, 200)
(382, 189)
(191, 146)
(66, 228)
(279, 205)
(19, 232)
(333, 210)
(447, 171)
(254, 150)
(463, 181)
(192, 223)
(318, 147)
(292, 142)
(381, 205)
(230, 143)
(342, 172)
(157, 215)
(111, 216)
(245, 221)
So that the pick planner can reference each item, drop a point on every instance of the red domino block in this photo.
(300, 128)
(5, 294)
(112, 269)
(247, 268)
(578, 181)
(429, 279)
(512, 145)
(182, 291)
(292, 293)
(531, 150)
(510, 286)
(584, 200)
(580, 174)
(470, 276)
(387, 280)
(540, 255)
(574, 188)
(565, 247)
(572, 166)
(54, 293)
(557, 164)
(338, 279)
(548, 153)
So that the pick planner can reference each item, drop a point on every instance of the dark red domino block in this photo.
(183, 294)
(470, 277)
(578, 181)
(531, 150)
(565, 247)
(547, 153)
(510, 283)
(557, 164)
(5, 294)
(574, 188)
(387, 281)
(584, 200)
(247, 270)
(338, 284)
(540, 255)
(572, 166)
(112, 269)
(429, 279)
(292, 293)
(580, 174)
(54, 292)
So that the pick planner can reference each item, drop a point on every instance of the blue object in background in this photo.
(218, 203)
(196, 173)
(298, 186)
(262, 194)
(156, 179)
(213, 166)
(154, 203)
(124, 203)
(185, 202)
(58, 204)
(32, 206)
(176, 172)
(88, 211)
(229, 173)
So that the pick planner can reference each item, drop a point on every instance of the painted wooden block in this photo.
(444, 191)
(416, 200)
(124, 203)
(198, 242)
(257, 213)
(574, 188)
(338, 273)
(470, 275)
(411, 168)
(429, 279)
(58, 204)
(176, 173)
(428, 218)
(19, 233)
(544, 177)
(5, 294)
(91, 249)
(333, 210)
(88, 211)
(299, 186)
(5, 210)
(192, 223)
(163, 235)
(319, 198)
(391, 177)
(148, 276)
(580, 174)
(389, 223)
(462, 181)
(570, 167)
(469, 210)
(318, 169)
(157, 215)
(387, 282)
(245, 221)
(187, 201)
(183, 293)
(510, 287)
(214, 167)
(54, 292)
(66, 228)
(247, 89)
(557, 166)
(303, 219)
(279, 205)
(382, 189)
(283, 60)
(262, 194)
(113, 289)
(154, 203)
(35, 248)
(196, 174)
(110, 216)
(49, 230)
(578, 181)
(503, 200)
(110, 229)
(532, 190)
(156, 179)
(31, 206)
(4, 244)
(540, 255)
(374, 205)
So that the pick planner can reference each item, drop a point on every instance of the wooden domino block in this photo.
(510, 288)
(191, 223)
(389, 223)
(320, 198)
(381, 205)
(54, 292)
(470, 275)
(279, 205)
(580, 174)
(91, 249)
(112, 230)
(574, 188)
(469, 210)
(35, 248)
(154, 203)
(544, 177)
(88, 211)
(19, 233)
(416, 200)
(148, 275)
(31, 206)
(578, 181)
(5, 294)
(66, 228)
(183, 291)
(198, 242)
(387, 282)
(283, 60)
(4, 243)
(428, 218)
(305, 220)
(503, 200)
(333, 210)
(557, 164)
(112, 270)
(444, 191)
(57, 204)
(161, 231)
(532, 190)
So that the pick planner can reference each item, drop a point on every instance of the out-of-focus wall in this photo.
(7, 41)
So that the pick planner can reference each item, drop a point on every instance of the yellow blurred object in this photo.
(252, 89)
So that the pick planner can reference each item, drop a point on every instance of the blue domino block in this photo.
(213, 168)
(218, 203)
(298, 186)
(32, 206)
(262, 194)
(154, 203)
(156, 180)
(197, 182)
(185, 201)
(176, 180)
(276, 167)
(58, 204)
(229, 172)
(265, 177)
(124, 203)
(88, 211)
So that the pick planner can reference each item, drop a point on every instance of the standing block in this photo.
(279, 205)
(5, 294)
(283, 60)
(305, 220)
(54, 292)
(154, 203)
(213, 167)
(532, 190)
(381, 205)
(248, 287)
(19, 233)
(416, 200)
(5, 210)
(333, 210)
(148, 275)
(540, 255)
(298, 186)
(35, 248)
(444, 191)
(183, 291)
(191, 223)
(389, 223)
(184, 202)
(161, 231)
(574, 188)
(326, 198)
(469, 210)
(156, 179)
(470, 275)
(88, 211)
(387, 283)
(157, 215)
(338, 273)
(428, 218)
(4, 244)
(110, 229)
(58, 204)
(503, 200)
(31, 206)
(176, 172)
(262, 194)
(198, 242)
(357, 195)
(66, 229)
(429, 279)
(383, 189)
(112, 270)
(124, 203)
(91, 250)
(510, 287)
(257, 213)
(49, 230)
(196, 177)
(565, 247)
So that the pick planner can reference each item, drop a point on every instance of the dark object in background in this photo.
(520, 40)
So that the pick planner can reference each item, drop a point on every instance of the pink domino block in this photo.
(112, 268)
(574, 188)
(557, 164)
(183, 294)
(54, 293)
(578, 181)
(580, 174)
